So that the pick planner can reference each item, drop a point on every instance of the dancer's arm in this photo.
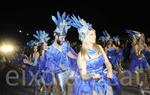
(81, 61)
(70, 52)
(71, 55)
(29, 61)
(107, 63)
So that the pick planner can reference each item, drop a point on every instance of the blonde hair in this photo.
(138, 48)
(84, 47)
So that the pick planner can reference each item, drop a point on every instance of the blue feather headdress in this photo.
(116, 39)
(32, 43)
(61, 23)
(82, 26)
(106, 36)
(41, 36)
(134, 34)
(102, 38)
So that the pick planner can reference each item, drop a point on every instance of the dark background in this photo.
(30, 16)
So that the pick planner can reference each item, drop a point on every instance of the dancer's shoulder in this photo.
(49, 49)
(100, 47)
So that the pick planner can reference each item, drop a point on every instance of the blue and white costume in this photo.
(96, 65)
(86, 87)
(30, 69)
(57, 57)
(112, 56)
(111, 51)
(120, 53)
(136, 61)
(45, 73)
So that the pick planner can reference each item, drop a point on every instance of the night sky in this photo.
(36, 15)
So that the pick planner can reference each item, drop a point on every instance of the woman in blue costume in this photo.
(120, 54)
(31, 61)
(32, 65)
(133, 58)
(137, 52)
(143, 50)
(114, 58)
(45, 75)
(139, 62)
(143, 66)
(144, 47)
(90, 79)
(144, 60)
(111, 53)
(110, 49)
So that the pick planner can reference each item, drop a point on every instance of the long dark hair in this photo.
(109, 42)
(40, 48)
(32, 50)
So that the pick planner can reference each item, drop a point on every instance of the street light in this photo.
(7, 48)
(27, 34)
(20, 31)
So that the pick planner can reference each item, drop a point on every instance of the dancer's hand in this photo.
(25, 61)
(95, 76)
(63, 67)
(109, 75)
(25, 57)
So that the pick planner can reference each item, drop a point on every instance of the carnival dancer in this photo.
(45, 76)
(139, 63)
(111, 50)
(31, 68)
(60, 52)
(90, 78)
(120, 54)
(32, 60)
